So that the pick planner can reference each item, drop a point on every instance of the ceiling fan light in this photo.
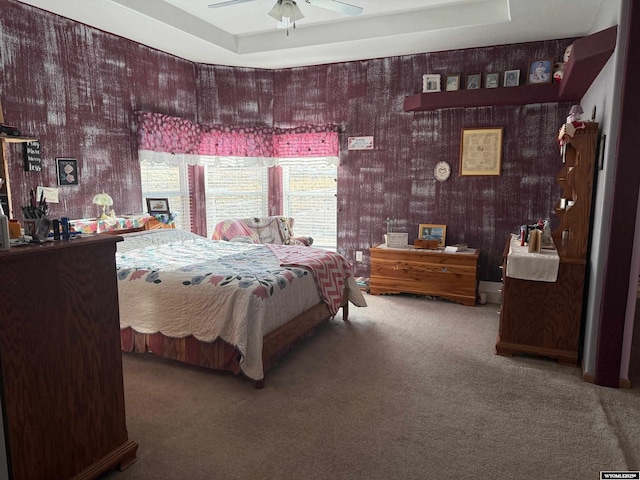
(286, 9)
(275, 12)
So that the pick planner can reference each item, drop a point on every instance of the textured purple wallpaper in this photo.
(77, 89)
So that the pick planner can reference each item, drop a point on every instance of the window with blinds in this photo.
(234, 189)
(161, 180)
(310, 197)
(238, 187)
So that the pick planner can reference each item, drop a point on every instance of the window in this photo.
(234, 190)
(163, 180)
(238, 187)
(310, 197)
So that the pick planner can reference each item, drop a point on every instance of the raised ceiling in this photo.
(244, 35)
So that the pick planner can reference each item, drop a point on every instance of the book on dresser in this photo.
(458, 247)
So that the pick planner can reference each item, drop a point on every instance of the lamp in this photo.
(575, 114)
(285, 12)
(103, 200)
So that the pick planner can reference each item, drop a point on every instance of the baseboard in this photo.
(589, 378)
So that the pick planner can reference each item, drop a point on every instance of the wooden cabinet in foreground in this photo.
(62, 391)
(453, 276)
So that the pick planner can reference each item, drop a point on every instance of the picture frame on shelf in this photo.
(473, 81)
(492, 80)
(540, 71)
(452, 82)
(158, 206)
(430, 83)
(511, 78)
(481, 151)
(67, 169)
(432, 231)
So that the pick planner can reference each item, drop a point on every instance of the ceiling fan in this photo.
(289, 6)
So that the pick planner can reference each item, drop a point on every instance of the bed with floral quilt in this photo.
(225, 305)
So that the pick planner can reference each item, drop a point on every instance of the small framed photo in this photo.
(429, 231)
(473, 81)
(452, 83)
(430, 83)
(511, 78)
(158, 205)
(492, 80)
(540, 71)
(67, 171)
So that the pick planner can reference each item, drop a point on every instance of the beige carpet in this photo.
(409, 388)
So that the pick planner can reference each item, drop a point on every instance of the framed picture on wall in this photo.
(430, 231)
(158, 205)
(481, 151)
(67, 171)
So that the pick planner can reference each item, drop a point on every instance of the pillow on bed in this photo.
(147, 238)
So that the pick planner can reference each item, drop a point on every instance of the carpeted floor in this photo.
(409, 388)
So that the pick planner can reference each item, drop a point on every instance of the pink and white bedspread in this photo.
(180, 284)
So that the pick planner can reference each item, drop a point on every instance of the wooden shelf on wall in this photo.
(20, 139)
(588, 57)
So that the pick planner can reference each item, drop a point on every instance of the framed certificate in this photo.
(481, 151)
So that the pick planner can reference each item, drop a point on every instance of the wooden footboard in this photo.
(220, 355)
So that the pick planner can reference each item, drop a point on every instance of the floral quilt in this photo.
(181, 284)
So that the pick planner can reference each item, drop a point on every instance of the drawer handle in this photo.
(444, 270)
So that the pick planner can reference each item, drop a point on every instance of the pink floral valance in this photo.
(162, 133)
(237, 142)
(307, 141)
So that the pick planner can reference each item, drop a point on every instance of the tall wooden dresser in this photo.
(545, 318)
(62, 390)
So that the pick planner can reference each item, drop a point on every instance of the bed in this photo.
(224, 305)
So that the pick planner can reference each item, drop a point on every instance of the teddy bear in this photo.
(558, 68)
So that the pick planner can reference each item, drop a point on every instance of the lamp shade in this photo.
(104, 200)
(575, 113)
(286, 9)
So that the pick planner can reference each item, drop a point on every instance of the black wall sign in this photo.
(32, 159)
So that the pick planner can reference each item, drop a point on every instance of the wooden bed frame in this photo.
(220, 355)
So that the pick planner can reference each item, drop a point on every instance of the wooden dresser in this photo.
(453, 276)
(62, 391)
(545, 318)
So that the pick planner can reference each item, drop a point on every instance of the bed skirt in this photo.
(220, 355)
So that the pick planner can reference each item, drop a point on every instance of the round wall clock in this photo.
(442, 171)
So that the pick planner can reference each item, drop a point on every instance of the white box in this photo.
(396, 240)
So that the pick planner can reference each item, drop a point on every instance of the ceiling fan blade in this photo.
(228, 3)
(336, 6)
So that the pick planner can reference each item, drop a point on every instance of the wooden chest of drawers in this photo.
(425, 272)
